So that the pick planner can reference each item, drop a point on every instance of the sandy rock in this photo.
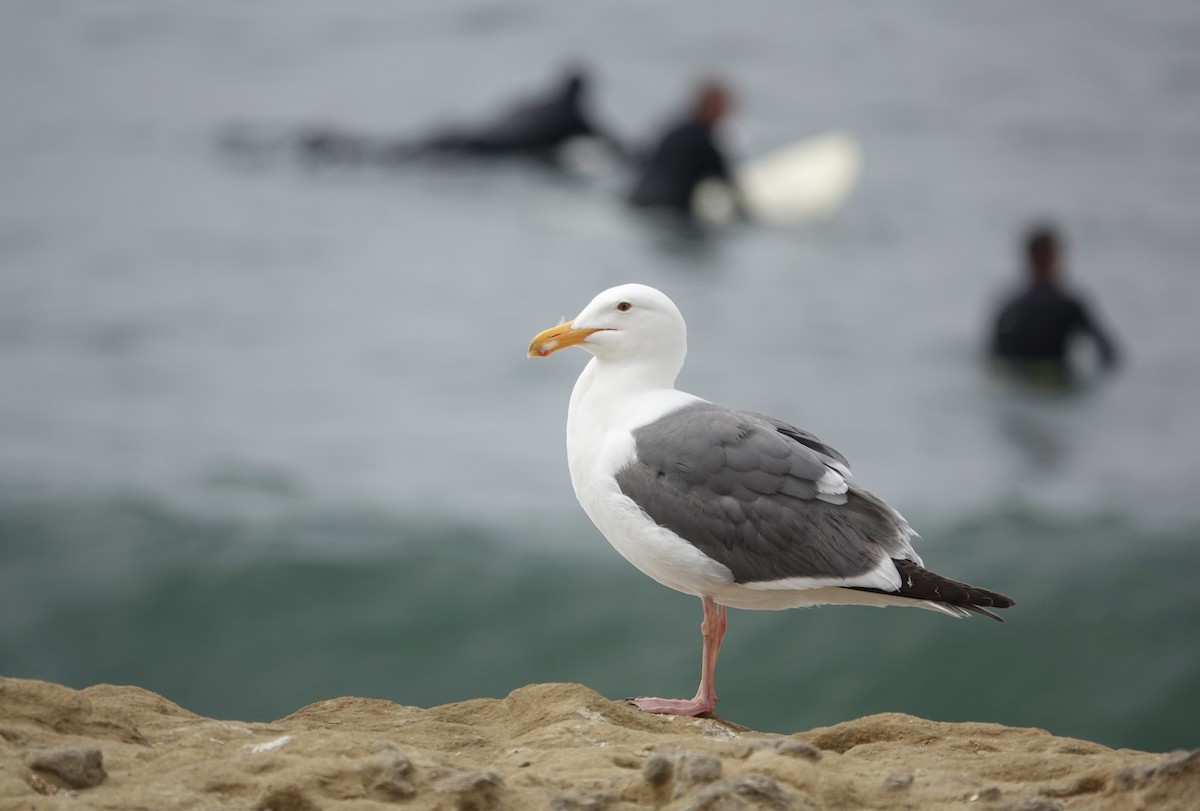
(557, 746)
(76, 767)
(472, 791)
(897, 781)
(1035, 804)
(788, 746)
(578, 801)
(72, 711)
(288, 798)
(658, 770)
(388, 773)
(762, 789)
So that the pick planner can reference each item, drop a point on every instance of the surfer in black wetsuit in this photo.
(687, 154)
(535, 128)
(1035, 327)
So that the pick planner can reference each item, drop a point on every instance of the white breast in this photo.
(600, 443)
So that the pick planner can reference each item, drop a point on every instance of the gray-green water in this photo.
(1098, 649)
(267, 434)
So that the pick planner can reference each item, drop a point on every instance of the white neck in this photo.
(606, 389)
(617, 397)
(611, 400)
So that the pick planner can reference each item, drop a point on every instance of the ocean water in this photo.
(268, 434)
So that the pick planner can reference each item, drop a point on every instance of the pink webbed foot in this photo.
(674, 706)
(712, 631)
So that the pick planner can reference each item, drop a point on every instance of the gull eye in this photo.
(624, 306)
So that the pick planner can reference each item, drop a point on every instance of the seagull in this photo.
(734, 507)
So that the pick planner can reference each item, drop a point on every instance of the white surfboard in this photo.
(806, 181)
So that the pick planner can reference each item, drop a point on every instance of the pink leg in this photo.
(712, 631)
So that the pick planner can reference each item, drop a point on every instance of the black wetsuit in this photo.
(1037, 325)
(685, 156)
(536, 129)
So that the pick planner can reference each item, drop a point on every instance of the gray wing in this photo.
(754, 494)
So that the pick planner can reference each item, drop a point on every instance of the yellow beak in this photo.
(551, 340)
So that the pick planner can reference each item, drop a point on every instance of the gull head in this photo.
(629, 323)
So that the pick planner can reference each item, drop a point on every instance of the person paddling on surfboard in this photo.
(686, 155)
(537, 127)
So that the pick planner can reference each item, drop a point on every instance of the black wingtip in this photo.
(919, 583)
(981, 610)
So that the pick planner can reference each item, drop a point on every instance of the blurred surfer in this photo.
(536, 128)
(687, 154)
(1035, 327)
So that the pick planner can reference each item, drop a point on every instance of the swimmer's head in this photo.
(713, 102)
(1042, 251)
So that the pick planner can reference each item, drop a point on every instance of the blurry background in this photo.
(268, 434)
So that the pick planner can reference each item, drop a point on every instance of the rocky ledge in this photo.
(546, 746)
